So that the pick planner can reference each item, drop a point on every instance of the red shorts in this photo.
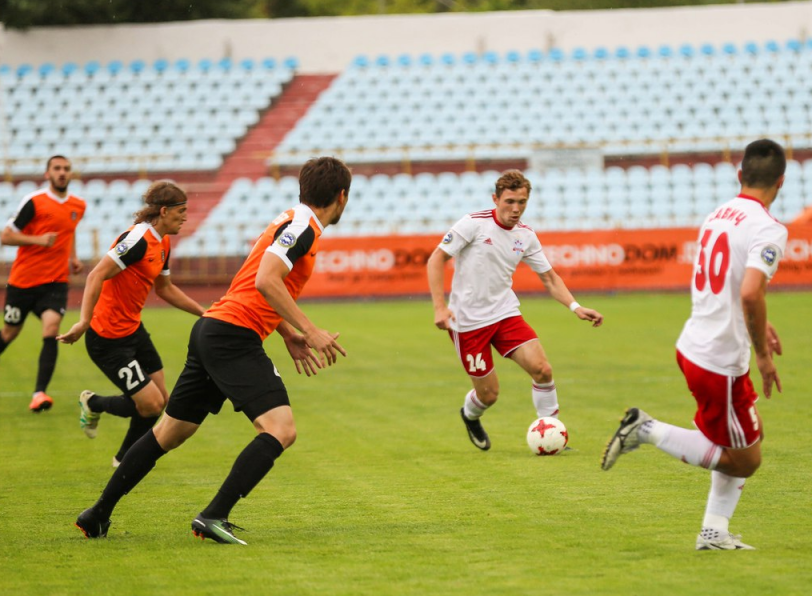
(726, 406)
(474, 347)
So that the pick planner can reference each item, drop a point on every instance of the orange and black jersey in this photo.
(39, 213)
(143, 255)
(293, 237)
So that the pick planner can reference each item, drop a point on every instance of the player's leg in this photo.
(8, 334)
(515, 339)
(474, 350)
(533, 359)
(18, 304)
(40, 400)
(132, 364)
(149, 402)
(726, 442)
(139, 461)
(193, 398)
(276, 432)
(51, 301)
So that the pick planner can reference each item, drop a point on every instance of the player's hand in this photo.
(769, 374)
(443, 317)
(73, 335)
(325, 345)
(48, 239)
(76, 266)
(302, 355)
(773, 341)
(587, 314)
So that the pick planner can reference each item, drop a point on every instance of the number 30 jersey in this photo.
(739, 235)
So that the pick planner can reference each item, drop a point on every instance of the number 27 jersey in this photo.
(739, 235)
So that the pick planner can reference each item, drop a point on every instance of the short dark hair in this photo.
(763, 164)
(321, 179)
(159, 194)
(53, 157)
(512, 180)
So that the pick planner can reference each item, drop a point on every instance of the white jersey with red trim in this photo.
(486, 255)
(739, 235)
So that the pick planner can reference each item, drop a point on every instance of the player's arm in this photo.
(435, 267)
(754, 305)
(559, 291)
(76, 265)
(105, 269)
(270, 282)
(12, 234)
(11, 237)
(172, 294)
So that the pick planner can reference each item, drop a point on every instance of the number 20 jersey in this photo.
(739, 235)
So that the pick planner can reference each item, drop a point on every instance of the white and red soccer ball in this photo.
(547, 436)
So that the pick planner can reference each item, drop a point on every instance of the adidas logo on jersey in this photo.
(488, 241)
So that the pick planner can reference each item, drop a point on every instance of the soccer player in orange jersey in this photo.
(115, 293)
(44, 230)
(226, 359)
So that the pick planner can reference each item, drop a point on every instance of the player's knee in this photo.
(286, 436)
(542, 372)
(488, 395)
(150, 407)
(749, 468)
(10, 333)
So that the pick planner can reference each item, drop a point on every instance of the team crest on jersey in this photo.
(287, 240)
(769, 254)
(74, 215)
(447, 239)
(518, 246)
(122, 248)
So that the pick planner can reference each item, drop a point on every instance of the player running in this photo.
(226, 359)
(44, 228)
(740, 245)
(484, 311)
(116, 340)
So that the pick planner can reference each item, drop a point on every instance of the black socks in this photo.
(251, 466)
(47, 363)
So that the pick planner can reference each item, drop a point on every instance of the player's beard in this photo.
(58, 188)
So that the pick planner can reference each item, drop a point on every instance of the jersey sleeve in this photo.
(535, 258)
(767, 249)
(292, 240)
(165, 270)
(459, 236)
(25, 213)
(128, 250)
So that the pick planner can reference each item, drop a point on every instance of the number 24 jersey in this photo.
(739, 235)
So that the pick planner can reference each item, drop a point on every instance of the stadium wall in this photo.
(330, 44)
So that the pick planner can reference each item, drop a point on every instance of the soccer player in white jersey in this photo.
(483, 310)
(740, 245)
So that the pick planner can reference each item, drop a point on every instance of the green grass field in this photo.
(383, 494)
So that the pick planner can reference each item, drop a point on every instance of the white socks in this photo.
(724, 495)
(545, 398)
(473, 408)
(690, 446)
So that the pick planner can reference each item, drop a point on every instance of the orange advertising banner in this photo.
(599, 260)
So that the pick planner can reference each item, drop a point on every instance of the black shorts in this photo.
(126, 361)
(22, 301)
(225, 361)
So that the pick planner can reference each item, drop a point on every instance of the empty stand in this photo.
(624, 102)
(118, 119)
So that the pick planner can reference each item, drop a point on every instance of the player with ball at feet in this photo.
(483, 310)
